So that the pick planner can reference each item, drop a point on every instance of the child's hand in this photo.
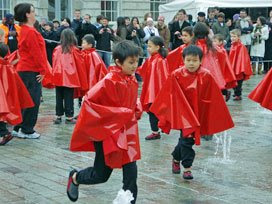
(39, 78)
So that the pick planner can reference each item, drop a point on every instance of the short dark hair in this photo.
(106, 18)
(219, 37)
(192, 50)
(20, 11)
(89, 38)
(77, 10)
(182, 11)
(158, 41)
(188, 29)
(3, 50)
(125, 49)
(99, 17)
(262, 19)
(243, 10)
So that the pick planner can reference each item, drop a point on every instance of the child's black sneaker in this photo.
(57, 121)
(187, 175)
(153, 136)
(70, 121)
(72, 189)
(237, 98)
(5, 139)
(175, 167)
(228, 96)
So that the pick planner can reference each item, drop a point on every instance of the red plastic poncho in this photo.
(47, 81)
(69, 69)
(154, 72)
(13, 93)
(225, 65)
(108, 114)
(240, 61)
(262, 94)
(210, 62)
(95, 69)
(192, 102)
(175, 59)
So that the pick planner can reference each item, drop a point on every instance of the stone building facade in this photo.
(57, 9)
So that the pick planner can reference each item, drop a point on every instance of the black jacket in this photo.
(104, 39)
(86, 28)
(174, 38)
(140, 34)
(50, 46)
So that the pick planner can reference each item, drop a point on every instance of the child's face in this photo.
(234, 38)
(152, 48)
(186, 37)
(217, 42)
(85, 45)
(192, 62)
(129, 66)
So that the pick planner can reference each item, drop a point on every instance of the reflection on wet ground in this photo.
(235, 167)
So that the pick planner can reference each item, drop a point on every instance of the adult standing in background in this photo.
(268, 45)
(246, 28)
(220, 27)
(76, 22)
(86, 27)
(150, 31)
(163, 31)
(177, 28)
(98, 23)
(122, 30)
(12, 32)
(31, 67)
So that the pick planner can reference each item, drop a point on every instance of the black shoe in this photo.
(70, 121)
(5, 139)
(57, 121)
(228, 96)
(72, 189)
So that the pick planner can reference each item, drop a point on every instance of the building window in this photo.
(4, 8)
(154, 7)
(109, 9)
(59, 9)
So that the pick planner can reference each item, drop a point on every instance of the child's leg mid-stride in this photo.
(185, 153)
(154, 127)
(100, 173)
(238, 91)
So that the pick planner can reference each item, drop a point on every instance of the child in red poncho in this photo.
(262, 94)
(96, 69)
(107, 124)
(174, 58)
(240, 62)
(191, 101)
(154, 72)
(68, 73)
(226, 68)
(13, 96)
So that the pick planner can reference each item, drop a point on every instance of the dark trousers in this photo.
(153, 122)
(267, 66)
(238, 89)
(3, 129)
(66, 95)
(184, 151)
(30, 115)
(100, 173)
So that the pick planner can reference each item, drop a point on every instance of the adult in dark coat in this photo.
(86, 27)
(50, 34)
(77, 20)
(177, 28)
(268, 45)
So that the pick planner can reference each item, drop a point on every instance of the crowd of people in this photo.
(185, 89)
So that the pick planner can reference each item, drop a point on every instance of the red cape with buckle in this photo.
(69, 69)
(108, 114)
(226, 68)
(240, 61)
(262, 94)
(175, 59)
(95, 69)
(193, 103)
(210, 61)
(154, 72)
(13, 93)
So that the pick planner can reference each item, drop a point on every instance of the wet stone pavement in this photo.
(232, 168)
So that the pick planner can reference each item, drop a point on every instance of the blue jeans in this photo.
(106, 57)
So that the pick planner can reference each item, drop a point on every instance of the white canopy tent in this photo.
(194, 6)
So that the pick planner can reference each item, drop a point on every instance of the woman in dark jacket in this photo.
(268, 45)
(135, 32)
